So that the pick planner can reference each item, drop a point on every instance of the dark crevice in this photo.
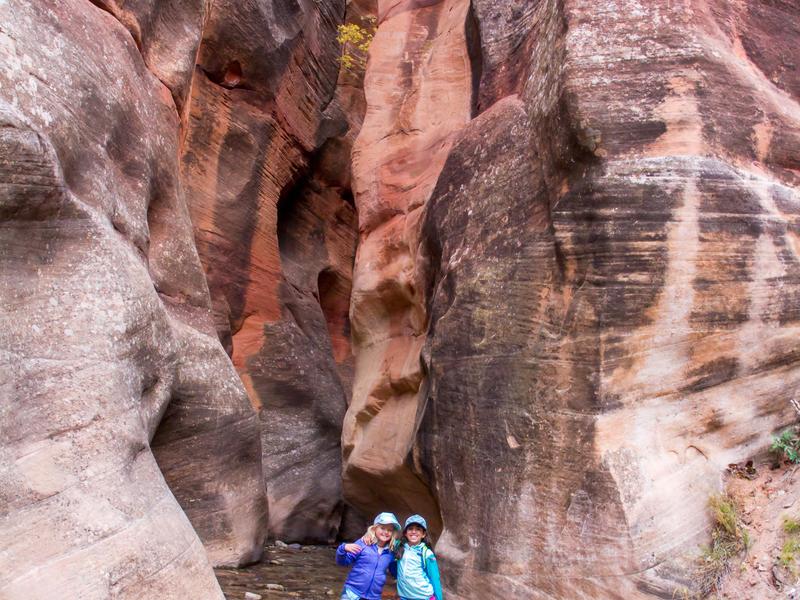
(157, 222)
(231, 78)
(475, 53)
(347, 196)
(333, 292)
(289, 202)
(233, 75)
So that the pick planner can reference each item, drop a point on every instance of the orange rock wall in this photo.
(266, 162)
(418, 92)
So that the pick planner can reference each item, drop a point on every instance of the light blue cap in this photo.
(418, 520)
(387, 518)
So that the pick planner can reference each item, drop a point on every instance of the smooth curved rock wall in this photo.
(418, 96)
(230, 109)
(118, 398)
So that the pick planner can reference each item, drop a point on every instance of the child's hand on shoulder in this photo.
(352, 548)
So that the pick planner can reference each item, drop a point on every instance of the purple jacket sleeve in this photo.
(345, 558)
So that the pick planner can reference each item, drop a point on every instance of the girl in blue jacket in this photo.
(417, 571)
(370, 556)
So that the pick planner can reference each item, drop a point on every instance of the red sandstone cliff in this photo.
(150, 151)
(276, 235)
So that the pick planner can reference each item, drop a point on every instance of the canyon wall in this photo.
(118, 398)
(605, 275)
(174, 175)
(418, 97)
(275, 231)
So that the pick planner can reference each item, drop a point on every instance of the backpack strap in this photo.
(426, 552)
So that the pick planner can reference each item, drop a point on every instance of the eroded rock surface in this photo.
(167, 34)
(131, 112)
(574, 299)
(611, 247)
(266, 161)
(419, 95)
(117, 396)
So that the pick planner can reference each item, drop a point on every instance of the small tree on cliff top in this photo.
(355, 40)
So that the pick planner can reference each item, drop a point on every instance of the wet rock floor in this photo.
(308, 573)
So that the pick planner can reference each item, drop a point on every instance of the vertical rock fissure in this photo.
(306, 367)
(472, 35)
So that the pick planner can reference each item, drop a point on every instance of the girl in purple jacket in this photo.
(370, 556)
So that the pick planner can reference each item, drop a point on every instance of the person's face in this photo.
(414, 533)
(384, 534)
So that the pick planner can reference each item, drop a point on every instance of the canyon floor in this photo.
(309, 573)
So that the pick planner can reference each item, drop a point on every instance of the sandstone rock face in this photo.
(167, 34)
(607, 279)
(232, 109)
(117, 396)
(266, 163)
(419, 95)
(574, 298)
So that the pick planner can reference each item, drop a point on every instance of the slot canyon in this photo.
(532, 271)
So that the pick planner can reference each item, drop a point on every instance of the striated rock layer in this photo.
(117, 396)
(128, 114)
(574, 298)
(418, 97)
(265, 160)
(606, 278)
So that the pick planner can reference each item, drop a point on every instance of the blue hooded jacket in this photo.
(418, 574)
(368, 574)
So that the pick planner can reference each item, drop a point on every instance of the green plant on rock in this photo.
(791, 526)
(355, 40)
(789, 552)
(788, 444)
(729, 539)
